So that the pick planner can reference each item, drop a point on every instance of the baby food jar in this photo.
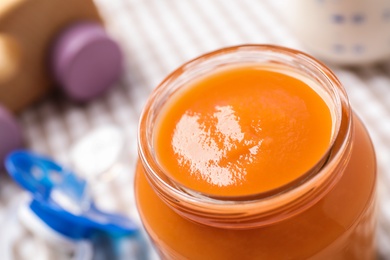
(328, 212)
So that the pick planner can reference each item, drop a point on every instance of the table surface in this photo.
(156, 37)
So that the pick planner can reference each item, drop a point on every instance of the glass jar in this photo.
(328, 214)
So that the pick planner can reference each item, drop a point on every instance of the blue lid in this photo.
(62, 200)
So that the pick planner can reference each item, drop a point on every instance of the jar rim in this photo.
(223, 211)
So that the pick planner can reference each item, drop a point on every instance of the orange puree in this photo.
(242, 130)
(258, 122)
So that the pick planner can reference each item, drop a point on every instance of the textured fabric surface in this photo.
(156, 37)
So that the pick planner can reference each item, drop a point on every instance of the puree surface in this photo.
(241, 131)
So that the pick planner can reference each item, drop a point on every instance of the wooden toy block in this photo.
(27, 30)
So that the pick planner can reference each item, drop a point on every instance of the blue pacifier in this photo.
(62, 200)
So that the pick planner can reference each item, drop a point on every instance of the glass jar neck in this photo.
(264, 208)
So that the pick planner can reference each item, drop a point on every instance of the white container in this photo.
(347, 32)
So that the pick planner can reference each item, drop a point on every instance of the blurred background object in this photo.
(85, 61)
(29, 28)
(10, 134)
(346, 32)
(62, 211)
(42, 42)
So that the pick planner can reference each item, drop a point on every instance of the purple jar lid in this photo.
(10, 134)
(85, 61)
